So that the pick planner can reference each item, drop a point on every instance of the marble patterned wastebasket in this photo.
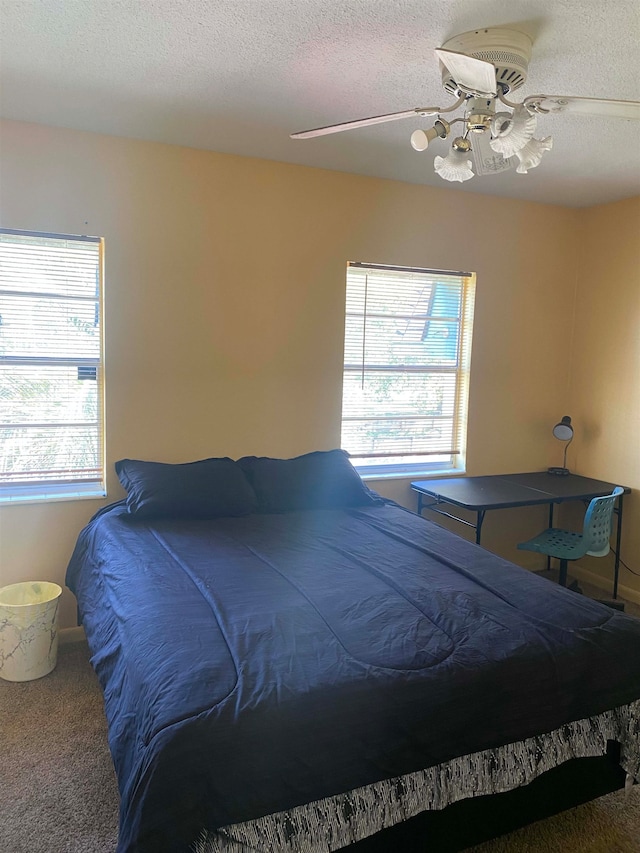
(28, 629)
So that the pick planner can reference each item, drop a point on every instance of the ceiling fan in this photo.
(479, 69)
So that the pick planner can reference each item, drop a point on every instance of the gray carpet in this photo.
(58, 792)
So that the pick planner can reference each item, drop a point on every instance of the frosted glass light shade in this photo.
(454, 167)
(511, 132)
(531, 154)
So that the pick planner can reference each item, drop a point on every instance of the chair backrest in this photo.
(597, 523)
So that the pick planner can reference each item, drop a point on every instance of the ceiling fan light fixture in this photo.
(531, 155)
(479, 114)
(510, 132)
(420, 139)
(455, 166)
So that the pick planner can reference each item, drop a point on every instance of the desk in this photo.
(503, 491)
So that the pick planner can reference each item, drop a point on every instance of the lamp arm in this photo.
(566, 447)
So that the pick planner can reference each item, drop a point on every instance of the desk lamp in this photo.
(563, 431)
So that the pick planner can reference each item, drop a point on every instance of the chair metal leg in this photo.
(562, 580)
(550, 525)
(616, 569)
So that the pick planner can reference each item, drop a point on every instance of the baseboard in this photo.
(606, 584)
(71, 635)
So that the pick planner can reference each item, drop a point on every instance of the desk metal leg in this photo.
(616, 568)
(479, 520)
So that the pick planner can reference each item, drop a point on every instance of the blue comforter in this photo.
(252, 664)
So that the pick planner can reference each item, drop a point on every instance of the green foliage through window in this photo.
(406, 362)
(50, 361)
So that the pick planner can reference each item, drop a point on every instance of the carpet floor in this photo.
(58, 790)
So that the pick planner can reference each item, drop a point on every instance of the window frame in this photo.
(42, 489)
(456, 460)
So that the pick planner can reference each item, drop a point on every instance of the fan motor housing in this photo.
(509, 51)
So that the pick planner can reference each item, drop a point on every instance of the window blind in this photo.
(51, 421)
(406, 356)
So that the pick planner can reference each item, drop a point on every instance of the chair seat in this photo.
(553, 542)
(566, 545)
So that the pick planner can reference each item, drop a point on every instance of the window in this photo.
(406, 366)
(51, 401)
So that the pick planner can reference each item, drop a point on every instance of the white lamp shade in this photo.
(531, 154)
(510, 132)
(456, 166)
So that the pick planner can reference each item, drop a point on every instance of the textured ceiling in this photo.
(238, 76)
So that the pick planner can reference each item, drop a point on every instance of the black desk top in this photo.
(499, 491)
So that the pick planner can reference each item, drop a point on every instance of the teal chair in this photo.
(565, 545)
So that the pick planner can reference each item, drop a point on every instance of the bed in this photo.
(291, 663)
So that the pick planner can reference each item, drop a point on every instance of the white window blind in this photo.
(51, 410)
(406, 363)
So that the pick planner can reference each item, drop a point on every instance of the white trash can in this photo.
(28, 629)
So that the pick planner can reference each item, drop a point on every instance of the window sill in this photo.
(36, 495)
(413, 475)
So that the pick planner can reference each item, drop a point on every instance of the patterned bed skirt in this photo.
(335, 822)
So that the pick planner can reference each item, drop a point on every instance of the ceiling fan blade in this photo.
(473, 75)
(585, 106)
(365, 122)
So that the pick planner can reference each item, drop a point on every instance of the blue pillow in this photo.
(209, 488)
(318, 480)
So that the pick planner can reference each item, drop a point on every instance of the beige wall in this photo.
(605, 372)
(224, 308)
